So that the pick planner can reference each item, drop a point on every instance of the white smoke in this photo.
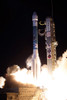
(12, 69)
(53, 83)
(62, 62)
(57, 88)
(2, 82)
(29, 61)
(44, 67)
(21, 75)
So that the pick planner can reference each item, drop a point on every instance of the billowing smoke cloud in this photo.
(2, 82)
(55, 84)
(62, 61)
(57, 87)
(29, 61)
(21, 75)
(12, 69)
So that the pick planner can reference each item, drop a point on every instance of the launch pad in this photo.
(26, 93)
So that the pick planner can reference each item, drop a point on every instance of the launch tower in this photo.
(51, 43)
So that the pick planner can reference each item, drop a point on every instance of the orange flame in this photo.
(55, 84)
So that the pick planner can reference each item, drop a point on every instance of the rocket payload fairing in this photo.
(36, 60)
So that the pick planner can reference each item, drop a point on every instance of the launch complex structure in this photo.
(50, 41)
(34, 93)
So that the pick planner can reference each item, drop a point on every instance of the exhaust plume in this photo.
(12, 69)
(57, 89)
(29, 61)
(54, 84)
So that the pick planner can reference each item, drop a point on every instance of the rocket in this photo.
(36, 60)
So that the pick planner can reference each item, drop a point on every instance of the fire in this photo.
(57, 90)
(54, 84)
(24, 76)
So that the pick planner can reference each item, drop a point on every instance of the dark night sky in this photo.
(16, 29)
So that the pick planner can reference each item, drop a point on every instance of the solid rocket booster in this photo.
(36, 60)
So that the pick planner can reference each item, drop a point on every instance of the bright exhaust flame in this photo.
(24, 76)
(2, 82)
(57, 88)
(54, 85)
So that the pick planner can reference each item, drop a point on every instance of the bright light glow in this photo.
(54, 84)
(57, 89)
(24, 76)
(2, 82)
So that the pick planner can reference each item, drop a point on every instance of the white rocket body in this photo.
(36, 60)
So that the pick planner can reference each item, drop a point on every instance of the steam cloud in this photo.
(56, 83)
(12, 69)
(57, 89)
(29, 61)
(2, 82)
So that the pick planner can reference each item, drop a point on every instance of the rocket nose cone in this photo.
(34, 16)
